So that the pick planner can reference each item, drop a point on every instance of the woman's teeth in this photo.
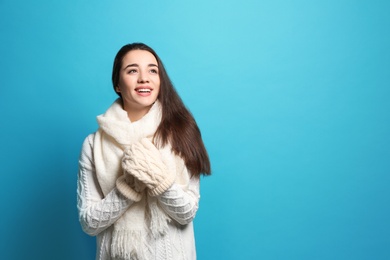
(143, 90)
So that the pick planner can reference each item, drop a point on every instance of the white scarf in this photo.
(143, 218)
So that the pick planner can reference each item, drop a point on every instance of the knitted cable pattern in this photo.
(96, 217)
(143, 161)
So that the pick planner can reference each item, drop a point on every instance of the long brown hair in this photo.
(177, 127)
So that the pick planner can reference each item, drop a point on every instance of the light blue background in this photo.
(292, 98)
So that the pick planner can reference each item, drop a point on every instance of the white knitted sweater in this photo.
(98, 213)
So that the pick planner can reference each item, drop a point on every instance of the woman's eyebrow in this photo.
(136, 65)
(131, 65)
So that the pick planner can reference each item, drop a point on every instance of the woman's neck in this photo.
(136, 114)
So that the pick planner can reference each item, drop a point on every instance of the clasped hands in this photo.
(143, 168)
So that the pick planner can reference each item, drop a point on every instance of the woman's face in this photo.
(139, 82)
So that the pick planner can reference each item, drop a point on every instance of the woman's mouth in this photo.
(143, 90)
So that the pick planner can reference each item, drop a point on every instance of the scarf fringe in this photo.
(158, 219)
(129, 244)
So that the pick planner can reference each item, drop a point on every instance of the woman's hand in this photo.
(143, 161)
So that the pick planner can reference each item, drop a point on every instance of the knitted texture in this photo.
(124, 187)
(143, 161)
(96, 217)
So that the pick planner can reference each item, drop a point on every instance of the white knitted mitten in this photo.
(143, 161)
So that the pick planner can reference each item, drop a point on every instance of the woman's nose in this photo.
(142, 77)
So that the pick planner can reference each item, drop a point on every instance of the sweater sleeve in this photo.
(181, 203)
(96, 212)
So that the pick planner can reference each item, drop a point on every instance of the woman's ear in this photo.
(117, 89)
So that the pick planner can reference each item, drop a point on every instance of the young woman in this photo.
(138, 182)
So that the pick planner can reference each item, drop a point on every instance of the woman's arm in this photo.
(96, 212)
(181, 203)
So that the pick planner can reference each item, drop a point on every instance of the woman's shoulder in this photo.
(88, 141)
(86, 155)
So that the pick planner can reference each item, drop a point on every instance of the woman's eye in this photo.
(154, 71)
(132, 71)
